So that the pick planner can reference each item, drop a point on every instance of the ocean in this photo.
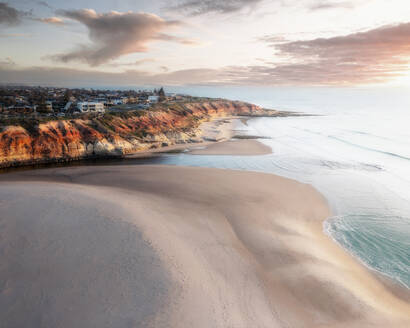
(355, 151)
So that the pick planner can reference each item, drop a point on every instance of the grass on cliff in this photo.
(31, 123)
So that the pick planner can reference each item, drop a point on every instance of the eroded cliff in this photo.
(113, 134)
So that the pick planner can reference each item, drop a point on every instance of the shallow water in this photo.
(357, 153)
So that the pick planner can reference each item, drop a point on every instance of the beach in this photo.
(164, 246)
(218, 136)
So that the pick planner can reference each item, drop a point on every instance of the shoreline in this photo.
(225, 131)
(222, 237)
(218, 138)
(398, 288)
(210, 129)
(300, 276)
(254, 149)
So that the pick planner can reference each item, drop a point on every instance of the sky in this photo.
(205, 42)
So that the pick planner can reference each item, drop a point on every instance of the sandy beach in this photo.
(216, 138)
(233, 147)
(162, 246)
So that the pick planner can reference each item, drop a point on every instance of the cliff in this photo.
(114, 134)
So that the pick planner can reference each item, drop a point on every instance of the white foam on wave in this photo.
(336, 234)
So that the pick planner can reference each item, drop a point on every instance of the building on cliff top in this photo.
(85, 107)
(153, 99)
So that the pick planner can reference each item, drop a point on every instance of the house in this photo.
(116, 101)
(100, 100)
(23, 109)
(67, 106)
(153, 99)
(49, 104)
(86, 107)
(132, 100)
(46, 107)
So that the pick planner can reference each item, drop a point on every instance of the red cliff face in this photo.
(112, 135)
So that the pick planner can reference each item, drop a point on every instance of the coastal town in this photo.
(24, 101)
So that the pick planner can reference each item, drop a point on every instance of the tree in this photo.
(42, 106)
(68, 94)
(161, 94)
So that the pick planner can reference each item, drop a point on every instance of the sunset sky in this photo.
(208, 42)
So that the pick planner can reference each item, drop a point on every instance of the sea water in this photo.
(356, 152)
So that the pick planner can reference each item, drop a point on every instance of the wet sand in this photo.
(234, 147)
(163, 246)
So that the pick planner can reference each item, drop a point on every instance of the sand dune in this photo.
(158, 246)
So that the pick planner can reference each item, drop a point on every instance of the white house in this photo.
(85, 107)
(116, 101)
(153, 99)
(67, 106)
